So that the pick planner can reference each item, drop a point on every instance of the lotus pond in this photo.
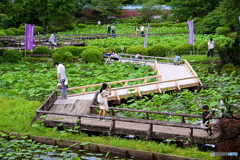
(14, 149)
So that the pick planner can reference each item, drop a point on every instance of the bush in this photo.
(15, 30)
(27, 52)
(232, 35)
(68, 26)
(52, 29)
(76, 51)
(203, 46)
(184, 24)
(21, 32)
(1, 52)
(21, 27)
(12, 55)
(1, 59)
(34, 60)
(8, 32)
(222, 30)
(81, 25)
(2, 33)
(183, 48)
(137, 49)
(92, 55)
(42, 50)
(37, 29)
(159, 50)
(62, 56)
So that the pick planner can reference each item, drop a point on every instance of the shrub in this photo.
(34, 60)
(159, 50)
(8, 32)
(62, 56)
(68, 26)
(92, 55)
(15, 30)
(203, 46)
(38, 29)
(26, 51)
(1, 52)
(184, 24)
(222, 30)
(21, 32)
(76, 51)
(21, 27)
(137, 49)
(1, 59)
(42, 50)
(183, 48)
(81, 25)
(2, 33)
(232, 35)
(53, 29)
(12, 55)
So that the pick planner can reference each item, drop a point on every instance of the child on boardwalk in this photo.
(104, 91)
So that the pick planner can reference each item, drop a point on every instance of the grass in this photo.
(16, 115)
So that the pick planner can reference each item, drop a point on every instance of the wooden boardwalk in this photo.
(76, 110)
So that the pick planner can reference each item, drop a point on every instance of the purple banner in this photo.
(29, 31)
(191, 32)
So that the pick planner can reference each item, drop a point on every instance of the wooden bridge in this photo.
(78, 109)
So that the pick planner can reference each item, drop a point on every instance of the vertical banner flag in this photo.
(146, 37)
(191, 32)
(29, 31)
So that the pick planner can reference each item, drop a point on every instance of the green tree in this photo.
(184, 9)
(150, 9)
(230, 12)
(105, 8)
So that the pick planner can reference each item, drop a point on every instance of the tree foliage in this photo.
(184, 9)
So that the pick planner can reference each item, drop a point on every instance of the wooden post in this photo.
(183, 119)
(149, 132)
(111, 112)
(146, 115)
(112, 128)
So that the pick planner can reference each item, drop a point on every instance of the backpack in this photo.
(99, 98)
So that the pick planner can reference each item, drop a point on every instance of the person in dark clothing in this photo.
(206, 115)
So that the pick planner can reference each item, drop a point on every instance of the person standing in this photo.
(211, 46)
(108, 29)
(61, 78)
(99, 22)
(52, 40)
(113, 31)
(142, 30)
(104, 91)
(137, 30)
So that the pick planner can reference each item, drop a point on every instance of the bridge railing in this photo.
(146, 113)
(113, 120)
(124, 82)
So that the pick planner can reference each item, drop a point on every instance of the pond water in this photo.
(27, 149)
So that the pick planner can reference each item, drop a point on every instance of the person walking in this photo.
(211, 46)
(52, 41)
(104, 91)
(61, 79)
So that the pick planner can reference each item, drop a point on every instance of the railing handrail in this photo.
(126, 119)
(153, 112)
(121, 81)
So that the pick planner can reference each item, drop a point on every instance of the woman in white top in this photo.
(211, 46)
(104, 91)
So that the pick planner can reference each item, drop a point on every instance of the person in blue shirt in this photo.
(177, 59)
